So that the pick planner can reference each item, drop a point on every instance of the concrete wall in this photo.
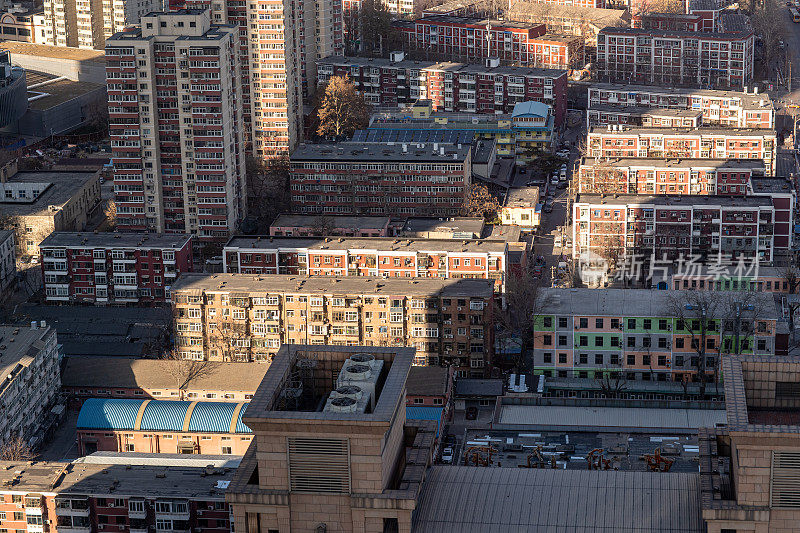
(93, 71)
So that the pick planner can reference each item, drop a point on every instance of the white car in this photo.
(563, 174)
(563, 153)
(447, 455)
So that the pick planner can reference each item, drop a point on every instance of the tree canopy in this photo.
(343, 110)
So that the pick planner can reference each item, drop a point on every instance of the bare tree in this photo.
(656, 7)
(225, 336)
(267, 191)
(767, 19)
(186, 372)
(16, 449)
(323, 225)
(612, 383)
(792, 278)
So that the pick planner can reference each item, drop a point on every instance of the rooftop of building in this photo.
(124, 372)
(667, 34)
(637, 302)
(456, 499)
(55, 52)
(333, 285)
(771, 185)
(393, 244)
(214, 34)
(139, 241)
(522, 197)
(122, 480)
(162, 415)
(761, 393)
(55, 90)
(160, 459)
(657, 162)
(448, 66)
(679, 132)
(675, 200)
(5, 234)
(300, 376)
(597, 16)
(479, 387)
(19, 347)
(334, 221)
(476, 21)
(427, 381)
(707, 5)
(413, 133)
(404, 152)
(452, 5)
(735, 22)
(468, 226)
(483, 150)
(58, 189)
(643, 111)
(747, 99)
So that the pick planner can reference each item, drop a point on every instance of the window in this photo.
(547, 340)
(647, 323)
(562, 358)
(562, 322)
(679, 342)
(615, 323)
(562, 340)
(547, 322)
(598, 323)
(547, 357)
(631, 323)
(598, 359)
(598, 340)
(584, 322)
(419, 401)
(583, 358)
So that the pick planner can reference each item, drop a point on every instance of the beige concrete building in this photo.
(88, 23)
(241, 317)
(75, 64)
(29, 381)
(750, 471)
(23, 22)
(8, 265)
(349, 467)
(520, 208)
(43, 202)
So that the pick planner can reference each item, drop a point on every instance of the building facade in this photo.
(88, 23)
(113, 267)
(22, 23)
(235, 317)
(632, 105)
(451, 87)
(673, 57)
(667, 143)
(411, 179)
(162, 426)
(474, 39)
(310, 225)
(636, 334)
(29, 381)
(712, 228)
(8, 263)
(177, 70)
(378, 257)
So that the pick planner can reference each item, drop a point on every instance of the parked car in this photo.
(472, 412)
(563, 184)
(563, 153)
(447, 455)
(554, 180)
(557, 241)
(563, 174)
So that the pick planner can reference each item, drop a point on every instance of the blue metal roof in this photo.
(98, 413)
(241, 427)
(213, 417)
(421, 412)
(530, 108)
(164, 415)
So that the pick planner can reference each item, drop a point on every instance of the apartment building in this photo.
(644, 105)
(669, 143)
(451, 87)
(238, 317)
(637, 334)
(175, 124)
(29, 381)
(784, 200)
(668, 176)
(713, 228)
(379, 257)
(390, 179)
(25, 23)
(113, 268)
(162, 426)
(767, 279)
(46, 201)
(157, 379)
(88, 23)
(473, 39)
(8, 263)
(173, 495)
(673, 57)
(339, 225)
(584, 22)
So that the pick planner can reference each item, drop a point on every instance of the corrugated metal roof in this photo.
(213, 417)
(554, 415)
(241, 427)
(164, 415)
(98, 413)
(421, 412)
(464, 499)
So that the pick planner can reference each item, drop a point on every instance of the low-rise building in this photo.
(162, 426)
(522, 208)
(378, 257)
(645, 105)
(236, 317)
(585, 22)
(119, 268)
(380, 179)
(59, 496)
(8, 263)
(451, 87)
(716, 229)
(158, 379)
(437, 228)
(642, 334)
(765, 279)
(323, 225)
(40, 203)
(29, 382)
(669, 143)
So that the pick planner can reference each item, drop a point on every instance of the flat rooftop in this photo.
(749, 100)
(62, 187)
(139, 241)
(413, 134)
(675, 200)
(666, 34)
(641, 111)
(57, 91)
(124, 480)
(597, 16)
(123, 372)
(652, 162)
(633, 302)
(679, 132)
(771, 185)
(19, 346)
(444, 66)
(460, 499)
(427, 381)
(522, 197)
(392, 244)
(337, 221)
(476, 21)
(406, 152)
(55, 52)
(466, 225)
(160, 459)
(281, 283)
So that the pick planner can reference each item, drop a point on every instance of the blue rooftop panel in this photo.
(241, 427)
(98, 413)
(212, 417)
(418, 412)
(164, 415)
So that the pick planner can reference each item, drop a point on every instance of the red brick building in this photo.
(703, 143)
(473, 39)
(457, 87)
(113, 268)
(376, 257)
